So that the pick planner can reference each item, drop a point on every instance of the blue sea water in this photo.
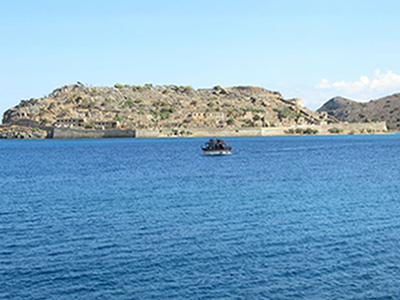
(282, 218)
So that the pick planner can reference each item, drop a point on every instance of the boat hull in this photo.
(217, 152)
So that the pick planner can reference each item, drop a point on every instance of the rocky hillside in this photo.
(160, 107)
(383, 109)
(336, 103)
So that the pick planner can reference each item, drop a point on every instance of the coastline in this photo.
(21, 132)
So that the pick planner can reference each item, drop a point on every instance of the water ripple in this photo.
(284, 218)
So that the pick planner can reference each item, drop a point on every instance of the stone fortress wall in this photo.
(68, 133)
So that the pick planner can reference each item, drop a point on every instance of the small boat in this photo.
(216, 147)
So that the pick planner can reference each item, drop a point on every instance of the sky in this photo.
(304, 49)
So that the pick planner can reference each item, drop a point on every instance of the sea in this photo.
(310, 217)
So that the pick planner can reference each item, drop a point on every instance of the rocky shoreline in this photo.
(22, 132)
(19, 132)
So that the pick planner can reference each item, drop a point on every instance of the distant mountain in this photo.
(336, 103)
(384, 109)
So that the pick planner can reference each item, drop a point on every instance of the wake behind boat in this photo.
(216, 147)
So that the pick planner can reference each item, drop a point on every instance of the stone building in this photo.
(69, 123)
(105, 124)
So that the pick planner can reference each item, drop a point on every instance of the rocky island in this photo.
(79, 111)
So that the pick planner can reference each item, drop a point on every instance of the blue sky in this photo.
(308, 49)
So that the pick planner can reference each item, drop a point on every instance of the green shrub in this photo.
(187, 89)
(248, 123)
(230, 121)
(283, 113)
(137, 88)
(302, 131)
(310, 131)
(118, 86)
(164, 115)
(129, 103)
(167, 109)
(291, 131)
(119, 118)
(335, 130)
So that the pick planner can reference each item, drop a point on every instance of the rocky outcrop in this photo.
(167, 108)
(22, 132)
(335, 103)
(385, 109)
